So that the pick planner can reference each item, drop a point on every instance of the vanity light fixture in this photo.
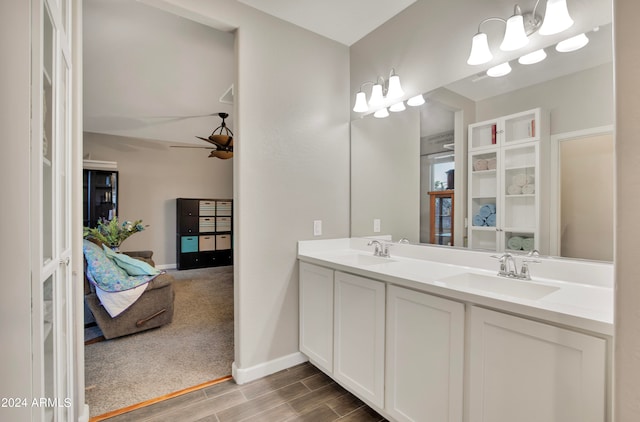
(499, 70)
(534, 57)
(572, 44)
(381, 91)
(518, 29)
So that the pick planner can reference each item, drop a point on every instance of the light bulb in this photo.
(480, 52)
(418, 100)
(515, 36)
(531, 58)
(397, 107)
(382, 113)
(572, 44)
(395, 90)
(499, 70)
(377, 98)
(361, 103)
(556, 18)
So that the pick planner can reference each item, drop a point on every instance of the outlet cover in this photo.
(376, 225)
(317, 227)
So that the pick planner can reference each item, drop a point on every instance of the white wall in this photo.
(385, 179)
(151, 176)
(291, 166)
(15, 300)
(575, 102)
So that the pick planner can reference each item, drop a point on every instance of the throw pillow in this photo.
(131, 265)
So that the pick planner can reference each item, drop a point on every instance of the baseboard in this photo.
(84, 415)
(167, 266)
(245, 375)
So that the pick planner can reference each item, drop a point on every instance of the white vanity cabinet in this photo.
(316, 315)
(526, 371)
(359, 336)
(425, 357)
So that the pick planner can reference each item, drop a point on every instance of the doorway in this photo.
(583, 193)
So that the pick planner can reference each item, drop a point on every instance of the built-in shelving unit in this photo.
(504, 206)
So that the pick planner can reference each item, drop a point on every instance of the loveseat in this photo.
(152, 309)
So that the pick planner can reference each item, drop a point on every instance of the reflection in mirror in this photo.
(575, 93)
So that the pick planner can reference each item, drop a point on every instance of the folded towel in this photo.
(514, 190)
(491, 220)
(519, 179)
(514, 243)
(528, 243)
(480, 164)
(530, 179)
(528, 189)
(487, 209)
(491, 163)
(479, 220)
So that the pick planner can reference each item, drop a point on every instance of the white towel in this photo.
(519, 179)
(480, 164)
(529, 189)
(514, 190)
(491, 163)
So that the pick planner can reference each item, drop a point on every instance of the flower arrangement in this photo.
(112, 233)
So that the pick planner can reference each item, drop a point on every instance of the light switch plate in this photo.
(317, 227)
(376, 225)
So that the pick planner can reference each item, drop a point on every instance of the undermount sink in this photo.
(499, 285)
(363, 260)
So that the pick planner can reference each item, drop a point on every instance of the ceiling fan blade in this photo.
(223, 155)
(184, 146)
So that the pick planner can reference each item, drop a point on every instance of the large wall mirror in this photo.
(405, 163)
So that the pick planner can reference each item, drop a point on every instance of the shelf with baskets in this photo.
(204, 230)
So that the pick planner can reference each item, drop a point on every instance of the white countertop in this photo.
(580, 296)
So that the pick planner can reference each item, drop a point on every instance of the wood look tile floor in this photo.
(300, 393)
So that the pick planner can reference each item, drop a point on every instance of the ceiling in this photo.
(345, 21)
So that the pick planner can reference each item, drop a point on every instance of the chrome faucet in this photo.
(381, 248)
(403, 240)
(509, 268)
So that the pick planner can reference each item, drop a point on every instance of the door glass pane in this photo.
(47, 140)
(48, 313)
(63, 159)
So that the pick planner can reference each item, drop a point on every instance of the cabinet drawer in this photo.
(223, 241)
(207, 243)
(207, 224)
(189, 244)
(207, 208)
(188, 225)
(187, 207)
(223, 224)
(223, 208)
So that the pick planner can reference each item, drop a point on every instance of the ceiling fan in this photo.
(221, 138)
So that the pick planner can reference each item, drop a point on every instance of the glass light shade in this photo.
(572, 44)
(499, 70)
(418, 100)
(480, 52)
(382, 113)
(377, 99)
(361, 103)
(515, 36)
(556, 18)
(534, 57)
(397, 107)
(395, 90)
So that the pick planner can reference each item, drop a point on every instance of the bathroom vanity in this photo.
(433, 334)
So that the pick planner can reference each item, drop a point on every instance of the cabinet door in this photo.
(526, 371)
(484, 199)
(519, 190)
(359, 336)
(425, 357)
(316, 315)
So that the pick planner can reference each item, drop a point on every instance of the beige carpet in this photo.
(196, 347)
